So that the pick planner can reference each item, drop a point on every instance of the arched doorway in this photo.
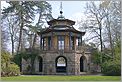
(61, 64)
(40, 64)
(83, 64)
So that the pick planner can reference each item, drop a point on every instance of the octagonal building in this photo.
(61, 50)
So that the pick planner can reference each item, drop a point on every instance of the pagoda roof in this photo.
(60, 25)
(60, 29)
(60, 20)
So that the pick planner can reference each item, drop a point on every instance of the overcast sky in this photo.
(70, 8)
(73, 10)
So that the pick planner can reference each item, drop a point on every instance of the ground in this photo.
(61, 78)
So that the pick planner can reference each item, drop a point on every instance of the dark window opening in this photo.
(81, 64)
(49, 43)
(80, 41)
(40, 64)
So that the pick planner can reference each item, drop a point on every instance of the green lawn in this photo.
(62, 78)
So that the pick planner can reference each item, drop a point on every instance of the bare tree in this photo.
(112, 22)
(96, 16)
(103, 24)
(10, 28)
(13, 30)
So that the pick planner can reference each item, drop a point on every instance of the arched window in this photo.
(40, 64)
(61, 64)
(83, 64)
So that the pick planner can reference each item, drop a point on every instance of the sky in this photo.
(73, 10)
(70, 8)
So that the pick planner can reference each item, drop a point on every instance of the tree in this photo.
(112, 22)
(44, 11)
(24, 12)
(10, 26)
(27, 54)
(4, 36)
(96, 18)
(104, 24)
(113, 67)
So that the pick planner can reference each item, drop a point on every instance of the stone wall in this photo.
(49, 63)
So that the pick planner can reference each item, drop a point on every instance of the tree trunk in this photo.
(20, 34)
(110, 38)
(35, 36)
(101, 42)
(111, 43)
(20, 38)
(12, 41)
(34, 41)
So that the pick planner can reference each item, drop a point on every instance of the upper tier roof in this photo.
(61, 25)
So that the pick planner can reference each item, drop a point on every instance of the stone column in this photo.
(51, 45)
(81, 40)
(36, 65)
(41, 42)
(69, 40)
(74, 43)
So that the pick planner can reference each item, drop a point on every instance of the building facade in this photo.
(61, 50)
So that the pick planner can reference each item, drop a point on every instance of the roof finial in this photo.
(61, 16)
(61, 8)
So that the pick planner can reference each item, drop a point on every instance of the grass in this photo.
(62, 78)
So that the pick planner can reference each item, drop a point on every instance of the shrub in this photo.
(112, 68)
(11, 70)
(7, 67)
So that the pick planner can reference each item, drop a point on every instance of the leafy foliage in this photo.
(13, 70)
(8, 69)
(96, 56)
(27, 54)
(5, 60)
(113, 66)
(25, 12)
(17, 59)
(5, 57)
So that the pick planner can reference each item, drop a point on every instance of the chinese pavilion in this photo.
(61, 50)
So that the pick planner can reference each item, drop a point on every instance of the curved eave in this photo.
(55, 20)
(66, 30)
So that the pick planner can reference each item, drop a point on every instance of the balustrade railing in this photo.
(63, 48)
